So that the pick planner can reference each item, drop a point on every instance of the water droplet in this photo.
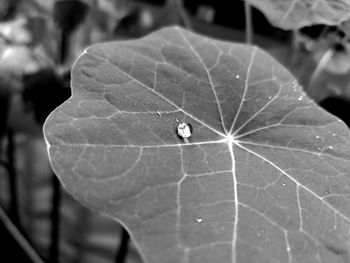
(317, 137)
(184, 130)
(199, 220)
(269, 97)
(319, 148)
(159, 113)
(333, 134)
(288, 249)
(331, 147)
(300, 98)
(284, 183)
(177, 120)
(237, 76)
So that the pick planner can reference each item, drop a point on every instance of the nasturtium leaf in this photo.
(295, 14)
(264, 176)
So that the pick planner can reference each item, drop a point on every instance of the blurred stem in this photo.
(19, 237)
(12, 178)
(123, 247)
(294, 47)
(4, 108)
(295, 39)
(80, 239)
(62, 46)
(248, 22)
(321, 66)
(55, 220)
(184, 16)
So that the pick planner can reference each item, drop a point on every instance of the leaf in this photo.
(295, 14)
(264, 176)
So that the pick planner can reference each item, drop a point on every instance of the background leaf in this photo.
(263, 178)
(295, 14)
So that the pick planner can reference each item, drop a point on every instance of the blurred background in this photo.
(39, 42)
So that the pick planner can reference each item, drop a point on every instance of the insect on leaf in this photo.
(295, 14)
(263, 175)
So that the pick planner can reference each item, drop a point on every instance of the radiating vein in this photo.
(279, 124)
(321, 154)
(258, 112)
(160, 95)
(111, 145)
(295, 181)
(234, 234)
(178, 199)
(287, 245)
(209, 79)
(299, 206)
(250, 64)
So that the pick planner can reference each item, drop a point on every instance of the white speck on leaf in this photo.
(184, 130)
(261, 232)
(199, 220)
(237, 76)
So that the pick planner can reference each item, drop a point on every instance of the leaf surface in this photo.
(264, 176)
(295, 14)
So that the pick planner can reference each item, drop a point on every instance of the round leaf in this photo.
(263, 177)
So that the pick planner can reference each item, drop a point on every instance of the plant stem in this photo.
(19, 237)
(182, 12)
(321, 66)
(248, 22)
(12, 178)
(55, 220)
(62, 46)
(123, 247)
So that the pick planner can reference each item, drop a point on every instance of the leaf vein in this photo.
(321, 154)
(161, 96)
(209, 80)
(250, 65)
(297, 183)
